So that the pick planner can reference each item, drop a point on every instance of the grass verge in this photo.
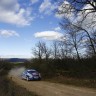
(89, 83)
(9, 88)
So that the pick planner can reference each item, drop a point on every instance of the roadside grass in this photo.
(9, 88)
(88, 83)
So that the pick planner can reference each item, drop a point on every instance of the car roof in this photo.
(30, 70)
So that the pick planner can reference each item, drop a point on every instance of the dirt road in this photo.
(43, 88)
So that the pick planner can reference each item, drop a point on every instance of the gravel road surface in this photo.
(43, 88)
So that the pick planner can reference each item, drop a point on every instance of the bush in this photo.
(5, 67)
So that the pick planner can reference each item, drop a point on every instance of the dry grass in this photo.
(9, 88)
(90, 83)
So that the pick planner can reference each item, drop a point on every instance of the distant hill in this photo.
(16, 60)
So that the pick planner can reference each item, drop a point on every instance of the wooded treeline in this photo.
(75, 53)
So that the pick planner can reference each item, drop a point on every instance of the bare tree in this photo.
(65, 50)
(77, 6)
(55, 50)
(84, 12)
(46, 51)
(94, 38)
(75, 36)
(89, 46)
(41, 51)
(92, 3)
(38, 50)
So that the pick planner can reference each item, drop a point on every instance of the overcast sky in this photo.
(25, 22)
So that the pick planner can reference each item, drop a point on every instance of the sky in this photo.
(25, 22)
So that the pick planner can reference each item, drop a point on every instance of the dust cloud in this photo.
(17, 71)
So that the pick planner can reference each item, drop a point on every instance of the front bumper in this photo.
(35, 78)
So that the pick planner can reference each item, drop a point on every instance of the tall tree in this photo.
(46, 51)
(41, 51)
(81, 15)
(38, 50)
(55, 50)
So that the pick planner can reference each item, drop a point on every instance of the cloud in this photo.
(50, 35)
(57, 29)
(8, 33)
(34, 1)
(47, 7)
(11, 12)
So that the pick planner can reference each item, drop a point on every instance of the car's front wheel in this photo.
(39, 79)
(27, 78)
